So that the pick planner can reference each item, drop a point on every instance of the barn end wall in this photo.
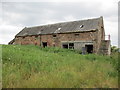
(101, 40)
(56, 40)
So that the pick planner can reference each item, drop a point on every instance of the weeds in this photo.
(35, 67)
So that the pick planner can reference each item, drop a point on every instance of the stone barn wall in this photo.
(33, 40)
(57, 40)
(105, 47)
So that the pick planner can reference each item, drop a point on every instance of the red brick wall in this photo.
(28, 40)
(56, 41)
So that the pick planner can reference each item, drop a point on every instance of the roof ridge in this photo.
(65, 22)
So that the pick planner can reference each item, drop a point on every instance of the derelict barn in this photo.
(85, 35)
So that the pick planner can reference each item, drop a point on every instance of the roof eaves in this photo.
(80, 31)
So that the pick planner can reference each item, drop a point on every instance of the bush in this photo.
(114, 49)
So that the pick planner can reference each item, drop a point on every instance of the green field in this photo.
(35, 67)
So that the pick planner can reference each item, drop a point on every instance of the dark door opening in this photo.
(89, 48)
(65, 46)
(71, 45)
(44, 44)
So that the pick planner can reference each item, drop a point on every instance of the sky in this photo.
(15, 15)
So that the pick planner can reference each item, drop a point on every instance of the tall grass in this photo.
(36, 67)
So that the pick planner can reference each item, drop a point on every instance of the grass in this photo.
(36, 67)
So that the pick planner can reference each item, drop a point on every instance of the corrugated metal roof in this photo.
(73, 26)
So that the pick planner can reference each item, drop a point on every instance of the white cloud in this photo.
(17, 15)
(8, 32)
(112, 29)
(48, 21)
(58, 1)
(69, 18)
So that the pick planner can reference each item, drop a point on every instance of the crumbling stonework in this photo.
(105, 47)
(80, 38)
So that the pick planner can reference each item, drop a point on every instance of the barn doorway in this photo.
(89, 48)
(65, 46)
(44, 44)
(71, 45)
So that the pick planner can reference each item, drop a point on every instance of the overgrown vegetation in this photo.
(114, 49)
(35, 67)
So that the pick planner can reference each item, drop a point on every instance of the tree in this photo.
(114, 49)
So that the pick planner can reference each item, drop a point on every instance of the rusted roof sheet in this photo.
(73, 26)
